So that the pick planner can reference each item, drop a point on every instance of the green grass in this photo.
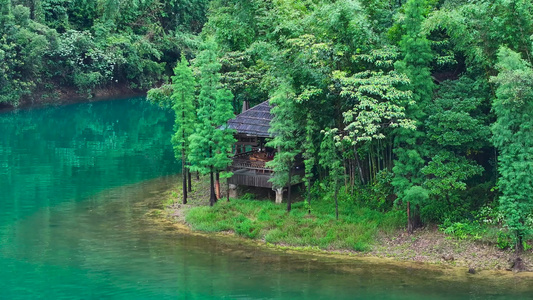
(356, 228)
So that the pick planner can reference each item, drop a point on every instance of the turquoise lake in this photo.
(76, 182)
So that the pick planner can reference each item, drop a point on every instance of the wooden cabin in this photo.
(251, 153)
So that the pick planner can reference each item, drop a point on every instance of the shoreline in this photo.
(427, 248)
(71, 96)
(313, 254)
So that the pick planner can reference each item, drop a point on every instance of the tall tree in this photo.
(457, 134)
(182, 98)
(331, 160)
(409, 150)
(309, 156)
(513, 136)
(211, 142)
(375, 103)
(284, 127)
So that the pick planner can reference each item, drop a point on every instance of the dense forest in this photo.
(50, 46)
(421, 105)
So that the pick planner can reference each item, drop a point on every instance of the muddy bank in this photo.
(427, 247)
(432, 246)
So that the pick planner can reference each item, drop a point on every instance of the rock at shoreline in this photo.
(448, 257)
(518, 265)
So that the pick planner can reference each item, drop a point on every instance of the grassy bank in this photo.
(359, 229)
(355, 229)
(255, 216)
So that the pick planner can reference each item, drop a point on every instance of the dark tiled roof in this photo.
(255, 121)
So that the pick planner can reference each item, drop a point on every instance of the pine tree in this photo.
(211, 143)
(179, 96)
(455, 128)
(284, 127)
(182, 98)
(513, 136)
(410, 151)
(224, 137)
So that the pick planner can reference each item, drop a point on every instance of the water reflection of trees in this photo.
(71, 150)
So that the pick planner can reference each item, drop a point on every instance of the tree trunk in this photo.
(409, 220)
(184, 176)
(309, 195)
(289, 191)
(197, 175)
(336, 199)
(345, 177)
(189, 178)
(279, 195)
(227, 189)
(518, 264)
(352, 175)
(213, 197)
(359, 167)
(217, 185)
(519, 245)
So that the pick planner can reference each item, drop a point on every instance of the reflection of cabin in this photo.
(250, 152)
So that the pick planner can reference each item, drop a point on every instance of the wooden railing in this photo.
(250, 164)
(256, 173)
(247, 180)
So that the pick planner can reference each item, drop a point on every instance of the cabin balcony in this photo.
(249, 169)
(253, 160)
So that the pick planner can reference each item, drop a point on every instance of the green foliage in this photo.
(179, 96)
(53, 45)
(331, 64)
(161, 96)
(309, 157)
(415, 64)
(377, 195)
(361, 71)
(447, 172)
(455, 116)
(478, 28)
(23, 44)
(504, 240)
(378, 101)
(182, 99)
(482, 225)
(232, 24)
(461, 230)
(78, 60)
(417, 56)
(211, 142)
(513, 137)
(285, 131)
(417, 195)
(330, 158)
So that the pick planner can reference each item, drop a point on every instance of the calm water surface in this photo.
(75, 185)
